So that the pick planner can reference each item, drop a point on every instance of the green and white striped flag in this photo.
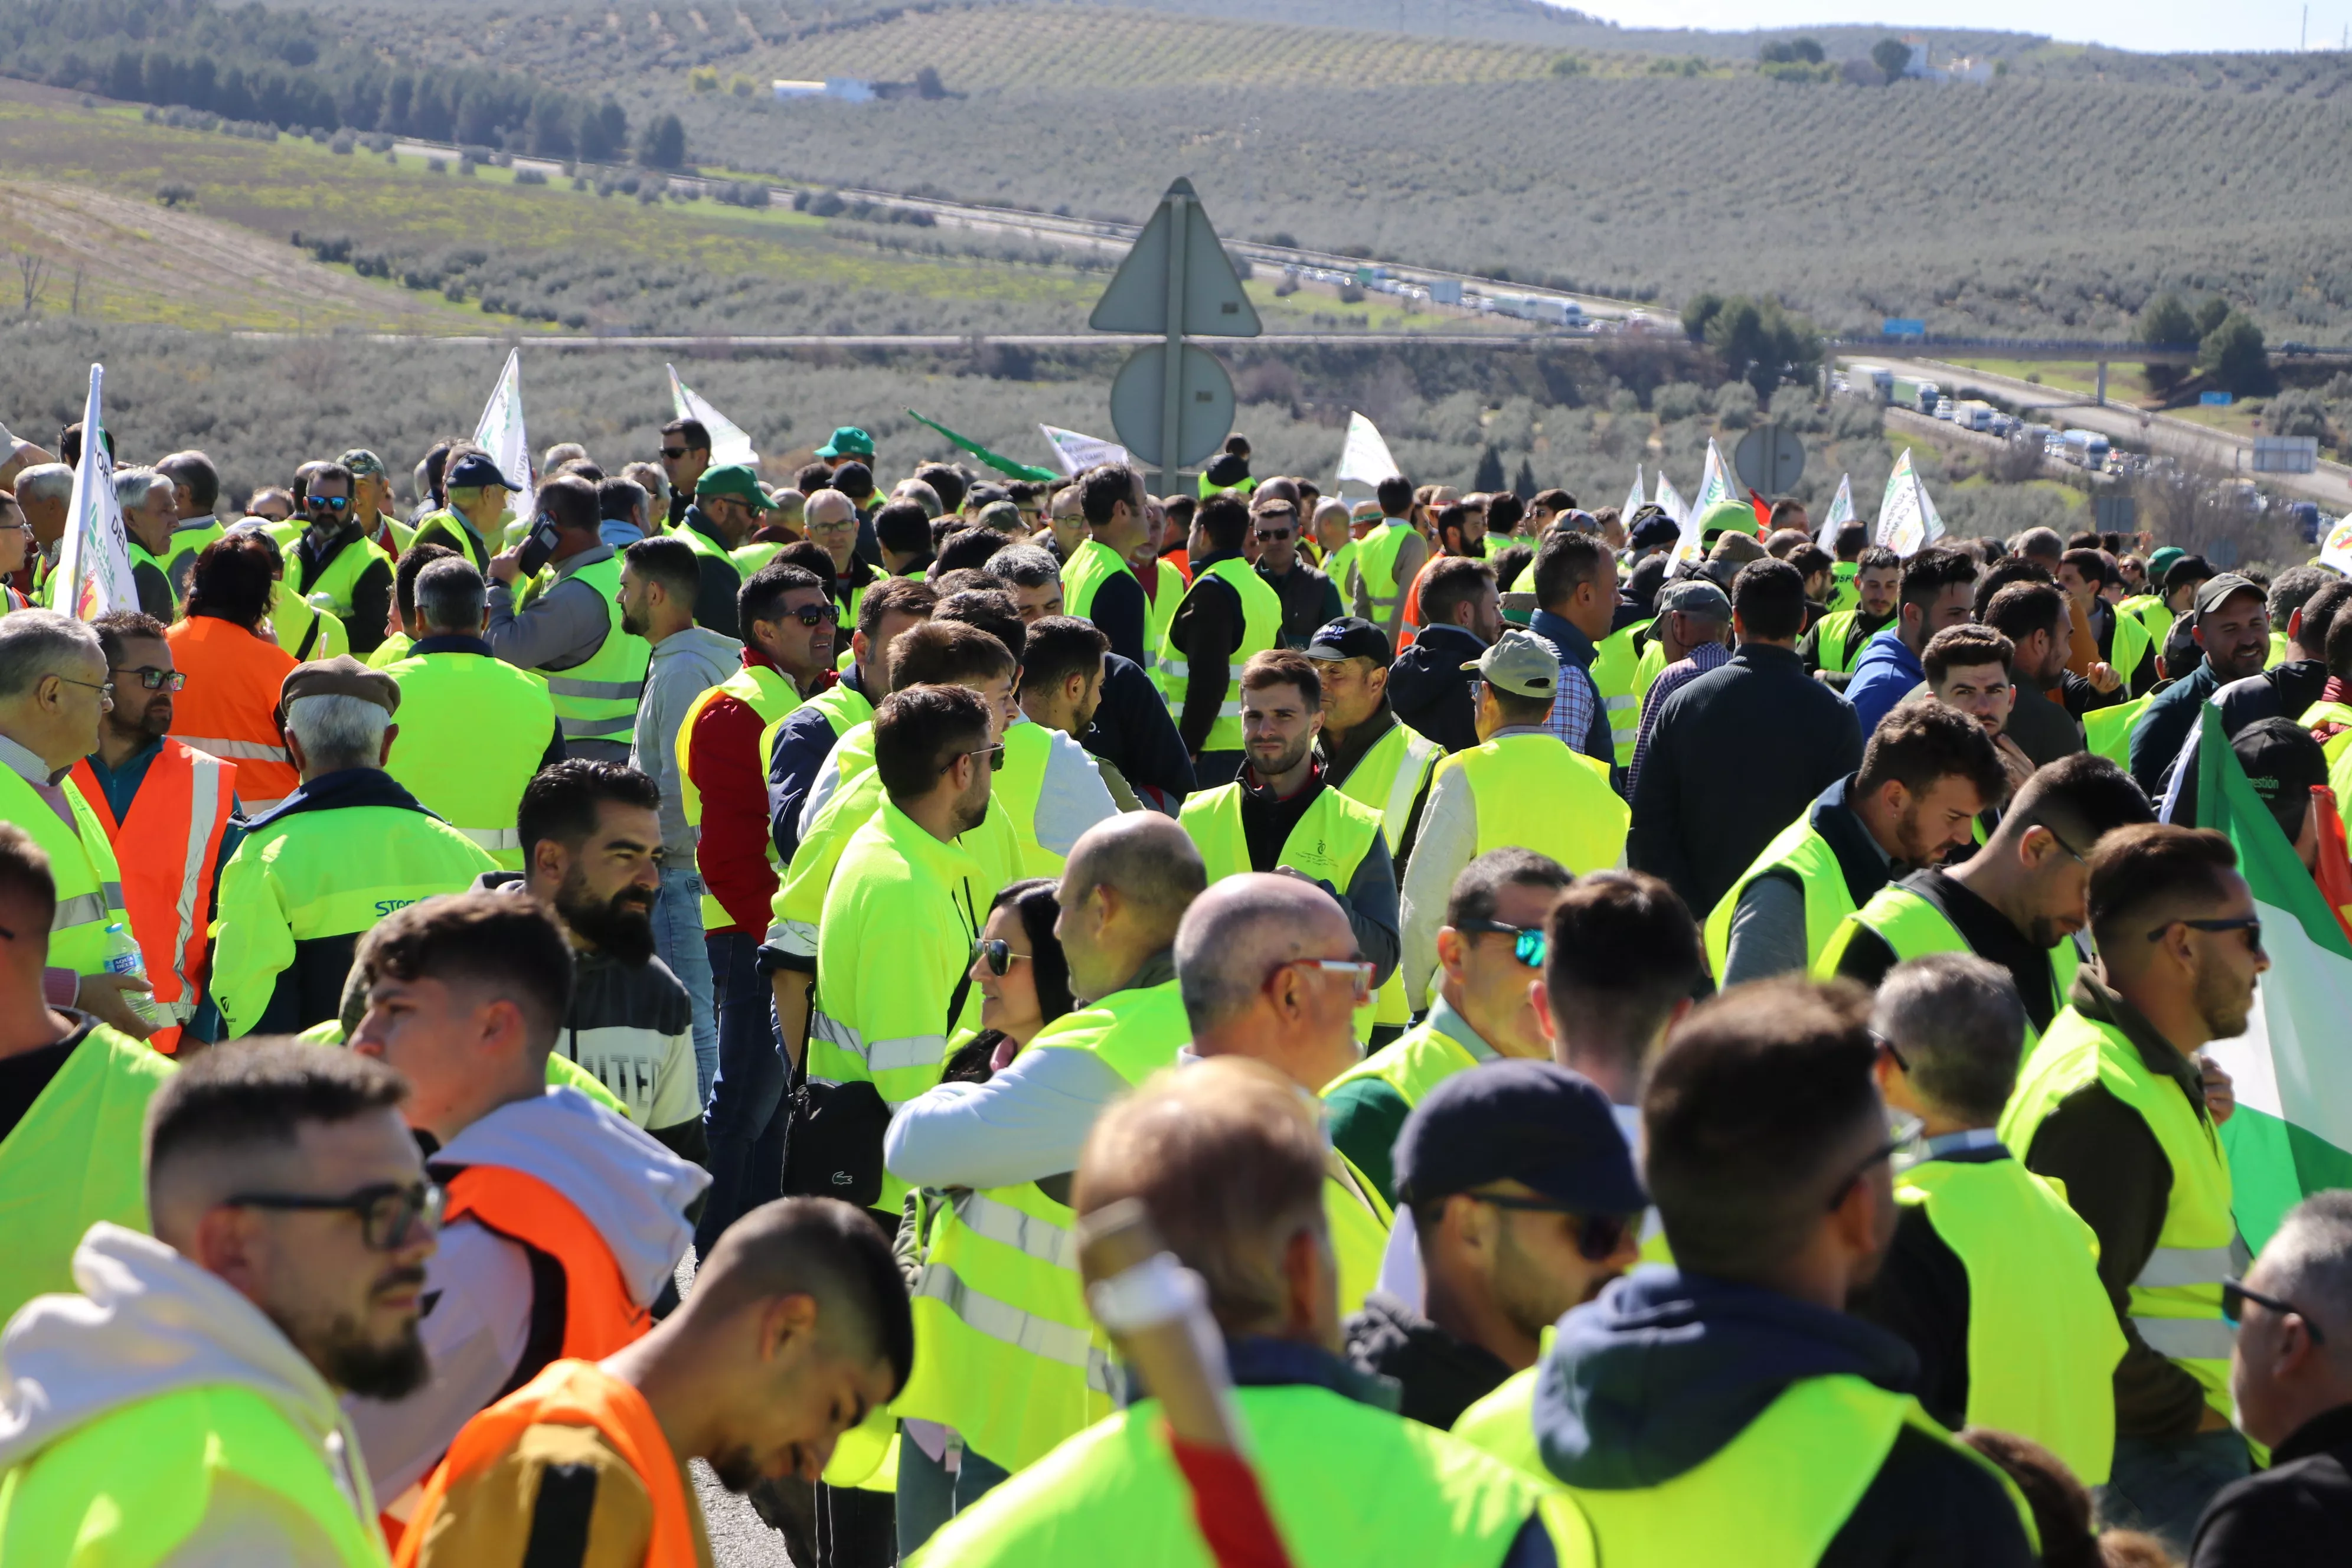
(2292, 1133)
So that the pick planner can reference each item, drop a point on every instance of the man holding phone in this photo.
(568, 628)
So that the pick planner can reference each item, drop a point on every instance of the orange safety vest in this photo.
(580, 1304)
(229, 704)
(571, 1394)
(168, 848)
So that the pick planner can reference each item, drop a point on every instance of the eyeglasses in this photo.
(153, 680)
(845, 525)
(1527, 943)
(995, 755)
(673, 453)
(1894, 1052)
(1358, 971)
(1902, 1130)
(2072, 852)
(105, 688)
(2234, 1297)
(387, 1211)
(2251, 924)
(816, 615)
(1597, 1236)
(999, 954)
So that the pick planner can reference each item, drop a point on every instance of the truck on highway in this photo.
(1545, 308)
(1973, 413)
(2084, 449)
(1922, 396)
(1876, 378)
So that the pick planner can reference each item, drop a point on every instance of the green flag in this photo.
(2292, 1133)
(1003, 465)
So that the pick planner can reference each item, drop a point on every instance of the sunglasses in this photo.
(1597, 1236)
(1274, 535)
(1903, 1131)
(386, 1210)
(814, 615)
(998, 953)
(332, 503)
(155, 679)
(1528, 943)
(2234, 1297)
(2251, 924)
(995, 755)
(673, 453)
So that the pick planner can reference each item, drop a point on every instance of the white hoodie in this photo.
(478, 1289)
(150, 1323)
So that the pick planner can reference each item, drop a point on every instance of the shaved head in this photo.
(1239, 931)
(1151, 861)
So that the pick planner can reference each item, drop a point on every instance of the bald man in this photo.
(1013, 1142)
(1270, 969)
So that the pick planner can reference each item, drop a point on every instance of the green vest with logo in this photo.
(1261, 631)
(73, 1161)
(1616, 665)
(597, 699)
(1913, 928)
(473, 730)
(1845, 593)
(1005, 1350)
(2176, 1300)
(2042, 1340)
(1345, 1486)
(1801, 850)
(81, 862)
(1090, 566)
(1533, 793)
(134, 1486)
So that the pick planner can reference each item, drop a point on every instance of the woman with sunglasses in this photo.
(1024, 981)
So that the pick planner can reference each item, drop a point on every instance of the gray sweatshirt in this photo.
(684, 664)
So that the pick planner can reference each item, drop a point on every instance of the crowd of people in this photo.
(1643, 1054)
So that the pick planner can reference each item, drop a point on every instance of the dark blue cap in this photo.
(1350, 637)
(1529, 1121)
(475, 470)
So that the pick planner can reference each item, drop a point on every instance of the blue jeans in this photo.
(744, 1121)
(929, 1496)
(677, 938)
(2161, 1486)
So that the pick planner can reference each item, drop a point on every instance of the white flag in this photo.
(94, 558)
(1075, 453)
(1364, 458)
(729, 444)
(2337, 551)
(500, 433)
(1927, 512)
(1715, 482)
(1668, 500)
(1634, 501)
(1840, 513)
(1902, 525)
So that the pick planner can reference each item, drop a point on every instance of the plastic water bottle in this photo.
(122, 957)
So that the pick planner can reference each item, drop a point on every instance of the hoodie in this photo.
(1664, 1368)
(478, 1287)
(149, 1323)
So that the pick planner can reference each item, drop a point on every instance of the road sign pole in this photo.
(1172, 375)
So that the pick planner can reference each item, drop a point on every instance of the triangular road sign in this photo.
(1179, 233)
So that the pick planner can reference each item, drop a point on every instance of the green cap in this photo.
(849, 441)
(1727, 517)
(2159, 562)
(1520, 663)
(363, 463)
(735, 479)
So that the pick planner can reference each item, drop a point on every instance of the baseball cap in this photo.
(1727, 517)
(1365, 512)
(1694, 596)
(363, 463)
(2215, 590)
(1655, 531)
(735, 479)
(475, 470)
(1350, 637)
(1530, 1122)
(1578, 519)
(849, 441)
(1520, 663)
(1002, 516)
(342, 675)
(2159, 562)
(2284, 762)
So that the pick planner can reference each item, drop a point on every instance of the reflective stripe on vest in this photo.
(2042, 1342)
(1800, 849)
(176, 822)
(1913, 928)
(1615, 665)
(1533, 793)
(233, 679)
(1159, 611)
(1376, 557)
(573, 1393)
(2176, 1301)
(81, 862)
(596, 700)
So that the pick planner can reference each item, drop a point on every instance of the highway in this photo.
(2181, 440)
